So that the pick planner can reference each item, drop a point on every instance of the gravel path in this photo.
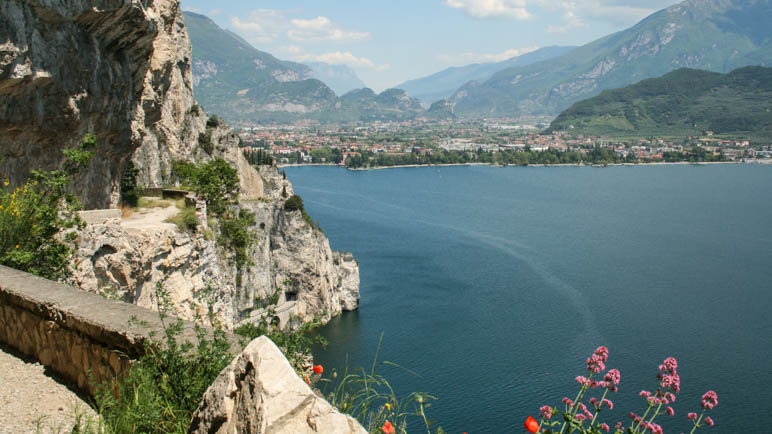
(33, 402)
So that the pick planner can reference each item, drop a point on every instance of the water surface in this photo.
(495, 284)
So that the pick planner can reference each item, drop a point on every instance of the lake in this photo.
(493, 285)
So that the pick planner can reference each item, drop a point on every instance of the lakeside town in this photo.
(418, 142)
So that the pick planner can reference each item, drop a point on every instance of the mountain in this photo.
(714, 35)
(681, 103)
(389, 105)
(444, 83)
(242, 84)
(339, 78)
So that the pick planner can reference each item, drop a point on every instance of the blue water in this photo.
(495, 284)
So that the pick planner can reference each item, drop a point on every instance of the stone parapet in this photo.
(81, 336)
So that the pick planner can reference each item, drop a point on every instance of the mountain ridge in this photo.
(683, 102)
(444, 83)
(247, 86)
(704, 34)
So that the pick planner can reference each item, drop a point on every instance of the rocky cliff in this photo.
(121, 69)
(293, 272)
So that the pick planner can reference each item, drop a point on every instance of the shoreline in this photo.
(677, 163)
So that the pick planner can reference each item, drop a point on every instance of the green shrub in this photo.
(294, 203)
(214, 121)
(216, 182)
(130, 191)
(162, 390)
(185, 220)
(35, 213)
(236, 234)
(205, 142)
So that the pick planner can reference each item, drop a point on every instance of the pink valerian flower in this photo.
(670, 396)
(644, 394)
(709, 421)
(670, 410)
(568, 402)
(604, 427)
(613, 376)
(594, 401)
(671, 364)
(546, 412)
(668, 376)
(583, 381)
(597, 362)
(580, 417)
(582, 407)
(672, 381)
(655, 429)
(709, 400)
(692, 416)
(607, 403)
(619, 426)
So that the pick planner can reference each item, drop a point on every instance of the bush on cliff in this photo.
(37, 218)
(215, 181)
(160, 392)
(294, 203)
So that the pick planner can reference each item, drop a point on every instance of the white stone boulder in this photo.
(260, 393)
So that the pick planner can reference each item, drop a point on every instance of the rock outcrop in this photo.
(119, 69)
(260, 393)
(293, 272)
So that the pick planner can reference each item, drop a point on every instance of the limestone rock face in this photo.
(260, 393)
(292, 264)
(119, 69)
(68, 68)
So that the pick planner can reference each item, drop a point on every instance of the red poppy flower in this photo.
(531, 425)
(319, 369)
(388, 428)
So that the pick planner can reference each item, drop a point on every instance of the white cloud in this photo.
(262, 25)
(573, 14)
(267, 25)
(570, 19)
(321, 29)
(342, 58)
(291, 49)
(492, 8)
(467, 58)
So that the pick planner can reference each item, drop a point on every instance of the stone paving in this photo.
(31, 401)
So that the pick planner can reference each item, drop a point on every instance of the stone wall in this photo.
(87, 339)
(73, 332)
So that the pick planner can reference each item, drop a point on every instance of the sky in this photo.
(389, 42)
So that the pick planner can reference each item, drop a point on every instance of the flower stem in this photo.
(572, 409)
(597, 409)
(635, 430)
(697, 424)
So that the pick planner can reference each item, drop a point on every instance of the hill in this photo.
(245, 85)
(714, 35)
(684, 102)
(444, 83)
(340, 78)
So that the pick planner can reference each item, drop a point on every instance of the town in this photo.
(425, 142)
